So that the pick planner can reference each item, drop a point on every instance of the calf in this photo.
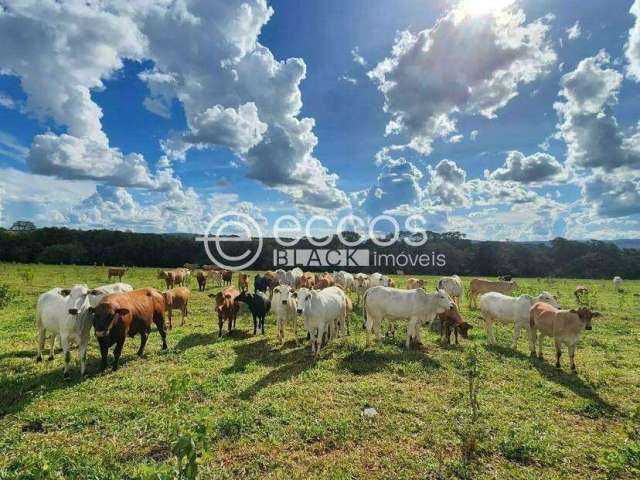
(243, 281)
(414, 283)
(64, 314)
(226, 307)
(452, 322)
(260, 283)
(496, 307)
(417, 306)
(478, 286)
(178, 299)
(259, 305)
(116, 272)
(202, 280)
(284, 306)
(122, 315)
(324, 311)
(565, 326)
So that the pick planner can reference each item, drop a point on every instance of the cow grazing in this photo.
(417, 306)
(496, 307)
(565, 326)
(259, 305)
(226, 307)
(453, 286)
(479, 286)
(260, 283)
(116, 272)
(284, 306)
(324, 312)
(201, 277)
(227, 277)
(617, 284)
(452, 323)
(64, 313)
(243, 281)
(176, 299)
(121, 315)
(414, 283)
(581, 293)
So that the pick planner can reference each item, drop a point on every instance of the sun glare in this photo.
(483, 7)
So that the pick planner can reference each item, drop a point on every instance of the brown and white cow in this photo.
(565, 326)
(478, 286)
(176, 299)
(451, 322)
(243, 281)
(121, 315)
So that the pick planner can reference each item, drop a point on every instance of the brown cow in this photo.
(120, 315)
(243, 281)
(272, 279)
(176, 298)
(478, 286)
(202, 280)
(565, 326)
(324, 280)
(308, 280)
(452, 322)
(227, 276)
(167, 276)
(116, 272)
(414, 283)
(227, 307)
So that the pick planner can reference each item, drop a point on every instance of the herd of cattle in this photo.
(323, 301)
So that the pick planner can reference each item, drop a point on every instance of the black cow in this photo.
(259, 305)
(505, 278)
(260, 284)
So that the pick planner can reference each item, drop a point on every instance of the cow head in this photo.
(586, 315)
(77, 299)
(464, 328)
(105, 317)
(302, 298)
(283, 292)
(443, 301)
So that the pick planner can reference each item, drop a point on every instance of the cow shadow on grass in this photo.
(19, 354)
(561, 377)
(195, 340)
(287, 362)
(367, 361)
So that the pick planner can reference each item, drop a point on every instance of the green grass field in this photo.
(245, 408)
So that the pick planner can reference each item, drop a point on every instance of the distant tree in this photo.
(22, 226)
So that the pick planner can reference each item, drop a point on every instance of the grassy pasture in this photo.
(255, 410)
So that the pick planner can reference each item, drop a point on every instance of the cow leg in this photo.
(572, 353)
(220, 323)
(52, 348)
(540, 339)
(255, 324)
(116, 353)
(491, 338)
(42, 335)
(159, 321)
(262, 324)
(558, 353)
(280, 330)
(84, 342)
(516, 335)
(455, 333)
(104, 352)
(295, 329)
(411, 332)
(64, 343)
(532, 342)
(170, 315)
(143, 341)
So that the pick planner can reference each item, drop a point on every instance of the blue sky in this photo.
(498, 118)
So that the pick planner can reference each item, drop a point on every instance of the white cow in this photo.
(324, 311)
(64, 314)
(416, 305)
(284, 308)
(97, 293)
(453, 286)
(281, 276)
(345, 280)
(293, 277)
(361, 284)
(378, 280)
(496, 307)
(617, 283)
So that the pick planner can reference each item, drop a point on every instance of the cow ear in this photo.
(65, 292)
(122, 311)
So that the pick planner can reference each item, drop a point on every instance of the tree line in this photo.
(557, 258)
